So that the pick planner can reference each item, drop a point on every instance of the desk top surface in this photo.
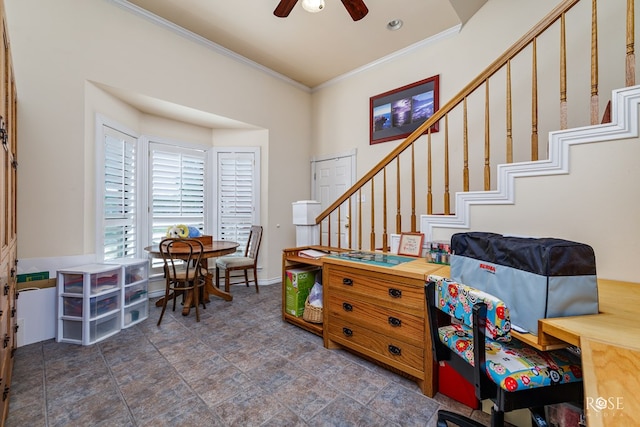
(417, 268)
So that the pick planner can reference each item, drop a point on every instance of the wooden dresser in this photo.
(380, 313)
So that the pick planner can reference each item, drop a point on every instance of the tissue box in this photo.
(206, 240)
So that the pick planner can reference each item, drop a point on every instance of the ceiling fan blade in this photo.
(356, 8)
(284, 8)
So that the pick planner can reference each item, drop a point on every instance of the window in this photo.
(118, 229)
(177, 188)
(138, 197)
(237, 193)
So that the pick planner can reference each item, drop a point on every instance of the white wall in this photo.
(586, 191)
(568, 207)
(60, 49)
(342, 107)
(597, 203)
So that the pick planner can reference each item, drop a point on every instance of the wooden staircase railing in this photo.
(474, 112)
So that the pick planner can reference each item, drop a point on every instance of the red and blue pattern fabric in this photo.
(514, 366)
(457, 300)
(511, 364)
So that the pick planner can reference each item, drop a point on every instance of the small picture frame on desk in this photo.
(411, 244)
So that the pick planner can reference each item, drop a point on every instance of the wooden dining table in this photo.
(216, 248)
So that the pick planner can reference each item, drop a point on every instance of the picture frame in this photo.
(397, 113)
(411, 244)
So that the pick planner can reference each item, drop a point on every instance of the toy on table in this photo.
(182, 231)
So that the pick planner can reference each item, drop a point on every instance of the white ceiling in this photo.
(312, 48)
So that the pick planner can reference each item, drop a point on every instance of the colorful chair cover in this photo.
(511, 364)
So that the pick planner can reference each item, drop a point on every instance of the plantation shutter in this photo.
(120, 198)
(237, 195)
(177, 188)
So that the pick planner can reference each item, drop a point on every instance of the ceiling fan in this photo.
(356, 8)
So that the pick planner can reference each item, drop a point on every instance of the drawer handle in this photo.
(394, 321)
(347, 332)
(347, 307)
(395, 293)
(396, 351)
(348, 282)
(5, 342)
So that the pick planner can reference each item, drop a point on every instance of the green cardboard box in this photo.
(298, 284)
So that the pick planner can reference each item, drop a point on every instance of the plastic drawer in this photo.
(104, 327)
(72, 306)
(135, 293)
(72, 283)
(103, 304)
(72, 330)
(136, 313)
(134, 273)
(102, 282)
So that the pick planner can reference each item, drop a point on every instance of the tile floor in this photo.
(240, 366)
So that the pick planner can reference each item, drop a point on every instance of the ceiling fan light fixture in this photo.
(313, 6)
(394, 25)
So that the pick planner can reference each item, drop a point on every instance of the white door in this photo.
(331, 178)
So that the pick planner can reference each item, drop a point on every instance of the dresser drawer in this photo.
(387, 321)
(392, 351)
(386, 290)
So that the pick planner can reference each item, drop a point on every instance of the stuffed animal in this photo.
(182, 231)
(194, 232)
(179, 231)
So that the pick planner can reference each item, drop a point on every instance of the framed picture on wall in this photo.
(395, 114)
(411, 244)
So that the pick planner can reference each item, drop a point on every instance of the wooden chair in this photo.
(471, 331)
(241, 263)
(183, 272)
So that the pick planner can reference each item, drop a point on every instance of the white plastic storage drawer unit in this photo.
(89, 303)
(135, 284)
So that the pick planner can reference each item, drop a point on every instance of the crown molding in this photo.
(142, 13)
(407, 50)
(161, 22)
